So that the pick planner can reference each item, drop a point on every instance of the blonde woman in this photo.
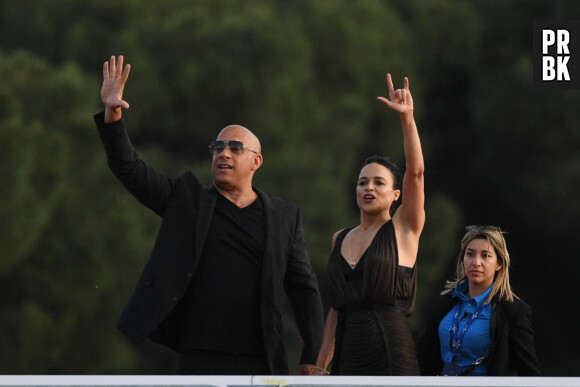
(481, 327)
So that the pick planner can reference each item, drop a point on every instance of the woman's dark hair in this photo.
(385, 162)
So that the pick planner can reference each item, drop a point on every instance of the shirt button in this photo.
(175, 298)
(190, 274)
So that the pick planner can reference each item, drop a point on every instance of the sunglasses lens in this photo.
(236, 146)
(216, 146)
(219, 146)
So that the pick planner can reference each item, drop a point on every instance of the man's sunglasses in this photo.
(235, 146)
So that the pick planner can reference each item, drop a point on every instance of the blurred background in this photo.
(304, 76)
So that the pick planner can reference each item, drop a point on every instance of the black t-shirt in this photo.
(221, 309)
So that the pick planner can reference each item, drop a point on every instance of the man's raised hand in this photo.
(114, 79)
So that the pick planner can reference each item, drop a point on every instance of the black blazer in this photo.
(186, 208)
(513, 351)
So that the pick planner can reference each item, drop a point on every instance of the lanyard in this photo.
(457, 338)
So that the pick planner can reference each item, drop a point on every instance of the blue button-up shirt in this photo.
(477, 339)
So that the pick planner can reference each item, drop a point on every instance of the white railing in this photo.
(297, 381)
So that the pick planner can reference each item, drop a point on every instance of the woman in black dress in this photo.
(372, 267)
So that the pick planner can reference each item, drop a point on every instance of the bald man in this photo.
(212, 288)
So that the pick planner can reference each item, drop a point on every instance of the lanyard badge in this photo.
(457, 338)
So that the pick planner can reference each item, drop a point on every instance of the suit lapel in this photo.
(272, 223)
(207, 200)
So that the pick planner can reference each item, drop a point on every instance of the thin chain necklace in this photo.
(367, 239)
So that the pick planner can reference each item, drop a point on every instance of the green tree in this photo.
(69, 236)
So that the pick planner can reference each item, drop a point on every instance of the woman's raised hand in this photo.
(399, 100)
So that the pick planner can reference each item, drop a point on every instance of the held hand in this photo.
(305, 369)
(114, 79)
(319, 371)
(400, 100)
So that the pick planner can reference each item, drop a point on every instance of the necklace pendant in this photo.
(353, 263)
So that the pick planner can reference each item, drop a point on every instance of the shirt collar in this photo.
(460, 292)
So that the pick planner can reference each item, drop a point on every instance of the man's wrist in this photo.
(112, 115)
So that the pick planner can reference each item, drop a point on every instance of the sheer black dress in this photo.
(373, 301)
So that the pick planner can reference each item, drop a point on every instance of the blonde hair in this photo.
(494, 236)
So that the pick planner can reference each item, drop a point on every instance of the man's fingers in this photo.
(119, 66)
(114, 69)
(112, 66)
(125, 74)
(117, 103)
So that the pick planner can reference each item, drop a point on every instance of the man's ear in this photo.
(258, 160)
